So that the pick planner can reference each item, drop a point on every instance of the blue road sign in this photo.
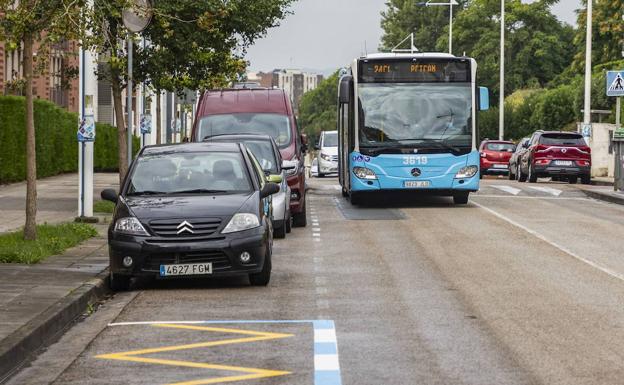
(615, 83)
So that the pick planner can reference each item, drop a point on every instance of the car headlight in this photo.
(240, 222)
(131, 226)
(326, 157)
(467, 172)
(364, 173)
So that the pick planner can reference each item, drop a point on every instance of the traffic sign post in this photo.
(615, 88)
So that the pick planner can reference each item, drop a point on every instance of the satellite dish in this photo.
(138, 16)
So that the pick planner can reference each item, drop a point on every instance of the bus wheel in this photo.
(461, 198)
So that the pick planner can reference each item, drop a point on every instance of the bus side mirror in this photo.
(484, 99)
(344, 89)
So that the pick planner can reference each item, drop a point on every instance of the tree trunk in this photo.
(121, 128)
(30, 228)
(158, 118)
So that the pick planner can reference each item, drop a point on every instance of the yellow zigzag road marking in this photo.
(254, 373)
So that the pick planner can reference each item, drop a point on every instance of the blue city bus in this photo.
(408, 122)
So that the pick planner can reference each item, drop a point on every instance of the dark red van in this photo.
(257, 111)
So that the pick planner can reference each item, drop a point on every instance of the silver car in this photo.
(264, 148)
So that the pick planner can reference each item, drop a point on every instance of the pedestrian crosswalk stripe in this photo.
(508, 189)
(547, 190)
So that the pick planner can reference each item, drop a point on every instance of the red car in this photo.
(258, 111)
(557, 154)
(495, 155)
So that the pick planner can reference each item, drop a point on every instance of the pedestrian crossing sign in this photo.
(615, 83)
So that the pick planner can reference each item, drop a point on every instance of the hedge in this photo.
(57, 151)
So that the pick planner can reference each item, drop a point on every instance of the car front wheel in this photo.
(520, 175)
(264, 277)
(119, 282)
(532, 175)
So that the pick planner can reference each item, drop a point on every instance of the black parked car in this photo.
(197, 209)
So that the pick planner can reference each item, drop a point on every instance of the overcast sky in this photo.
(327, 34)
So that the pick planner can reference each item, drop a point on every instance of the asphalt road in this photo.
(525, 285)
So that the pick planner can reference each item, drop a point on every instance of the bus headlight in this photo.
(467, 172)
(364, 173)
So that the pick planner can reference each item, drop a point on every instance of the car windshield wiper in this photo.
(146, 192)
(199, 191)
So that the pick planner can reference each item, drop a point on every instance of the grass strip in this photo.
(51, 240)
(103, 207)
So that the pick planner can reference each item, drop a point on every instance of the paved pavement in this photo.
(522, 286)
(57, 199)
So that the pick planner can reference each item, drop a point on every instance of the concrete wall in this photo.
(602, 154)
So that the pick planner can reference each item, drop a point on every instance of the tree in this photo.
(23, 23)
(607, 33)
(537, 45)
(317, 110)
(199, 44)
(427, 23)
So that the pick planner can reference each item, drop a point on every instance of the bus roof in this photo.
(396, 55)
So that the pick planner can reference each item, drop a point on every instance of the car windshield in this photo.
(562, 140)
(415, 114)
(502, 147)
(274, 125)
(189, 173)
(263, 151)
(330, 139)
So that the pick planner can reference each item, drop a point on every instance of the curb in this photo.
(601, 183)
(604, 197)
(22, 345)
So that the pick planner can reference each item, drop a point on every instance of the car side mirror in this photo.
(289, 165)
(269, 189)
(525, 144)
(275, 179)
(109, 195)
(317, 147)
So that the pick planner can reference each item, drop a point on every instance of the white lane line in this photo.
(595, 265)
(316, 235)
(316, 230)
(547, 190)
(527, 197)
(508, 189)
(326, 362)
(325, 335)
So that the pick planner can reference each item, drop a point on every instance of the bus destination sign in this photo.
(395, 71)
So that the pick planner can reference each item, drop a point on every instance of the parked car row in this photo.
(212, 208)
(562, 156)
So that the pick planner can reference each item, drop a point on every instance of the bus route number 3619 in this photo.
(415, 160)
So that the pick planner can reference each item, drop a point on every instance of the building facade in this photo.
(296, 83)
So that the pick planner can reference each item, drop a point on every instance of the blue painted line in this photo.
(329, 377)
(325, 348)
(324, 324)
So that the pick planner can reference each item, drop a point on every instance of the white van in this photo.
(327, 153)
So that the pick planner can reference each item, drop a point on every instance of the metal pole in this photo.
(451, 28)
(501, 102)
(617, 185)
(129, 92)
(81, 210)
(588, 65)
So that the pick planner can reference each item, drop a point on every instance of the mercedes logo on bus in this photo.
(416, 172)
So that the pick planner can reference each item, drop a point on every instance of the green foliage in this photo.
(198, 44)
(317, 110)
(57, 150)
(52, 240)
(104, 207)
(607, 33)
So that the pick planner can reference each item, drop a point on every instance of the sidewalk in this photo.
(57, 199)
(603, 193)
(38, 302)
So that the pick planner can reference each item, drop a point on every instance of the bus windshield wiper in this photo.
(440, 143)
(199, 191)
(379, 149)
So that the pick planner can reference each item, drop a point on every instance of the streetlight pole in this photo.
(501, 102)
(588, 65)
(129, 102)
(450, 4)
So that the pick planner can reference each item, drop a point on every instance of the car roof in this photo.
(238, 137)
(247, 100)
(560, 132)
(191, 147)
(497, 141)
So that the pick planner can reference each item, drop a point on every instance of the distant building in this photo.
(296, 83)
(265, 79)
(54, 85)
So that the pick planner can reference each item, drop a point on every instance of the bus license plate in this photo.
(186, 269)
(417, 183)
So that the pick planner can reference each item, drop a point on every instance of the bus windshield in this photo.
(415, 115)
